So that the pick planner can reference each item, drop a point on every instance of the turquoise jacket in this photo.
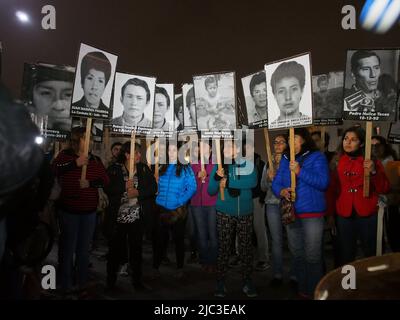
(242, 176)
(173, 191)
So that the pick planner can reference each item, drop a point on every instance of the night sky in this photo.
(175, 39)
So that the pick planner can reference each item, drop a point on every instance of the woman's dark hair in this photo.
(387, 148)
(179, 166)
(240, 146)
(95, 60)
(359, 132)
(282, 135)
(115, 144)
(77, 134)
(308, 145)
(126, 148)
(178, 105)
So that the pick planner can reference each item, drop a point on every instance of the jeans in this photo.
(205, 222)
(3, 237)
(76, 235)
(191, 230)
(126, 235)
(276, 229)
(177, 230)
(350, 230)
(305, 241)
(260, 231)
(393, 227)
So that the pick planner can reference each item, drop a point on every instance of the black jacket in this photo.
(147, 188)
(257, 192)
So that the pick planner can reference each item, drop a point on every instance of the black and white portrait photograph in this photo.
(328, 98)
(93, 83)
(47, 90)
(370, 88)
(189, 106)
(255, 94)
(97, 128)
(163, 117)
(289, 92)
(215, 101)
(133, 103)
(178, 113)
(394, 130)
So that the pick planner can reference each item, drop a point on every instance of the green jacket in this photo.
(242, 176)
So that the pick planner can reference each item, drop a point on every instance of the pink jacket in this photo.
(201, 197)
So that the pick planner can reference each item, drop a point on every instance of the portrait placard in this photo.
(93, 84)
(255, 94)
(289, 92)
(328, 98)
(133, 104)
(370, 88)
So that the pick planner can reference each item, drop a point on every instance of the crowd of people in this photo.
(234, 209)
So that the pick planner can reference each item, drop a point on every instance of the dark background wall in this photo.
(175, 39)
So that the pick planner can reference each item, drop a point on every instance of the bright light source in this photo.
(22, 16)
(39, 140)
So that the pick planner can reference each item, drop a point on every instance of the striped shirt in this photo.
(73, 198)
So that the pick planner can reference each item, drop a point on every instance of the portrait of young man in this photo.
(48, 91)
(327, 95)
(371, 88)
(162, 108)
(257, 111)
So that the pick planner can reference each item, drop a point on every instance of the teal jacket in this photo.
(242, 176)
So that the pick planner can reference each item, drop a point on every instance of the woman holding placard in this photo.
(234, 212)
(305, 233)
(272, 210)
(356, 215)
(127, 197)
(176, 185)
(78, 204)
(203, 209)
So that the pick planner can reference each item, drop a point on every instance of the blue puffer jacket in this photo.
(243, 204)
(311, 182)
(173, 191)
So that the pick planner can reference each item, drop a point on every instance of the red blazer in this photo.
(348, 185)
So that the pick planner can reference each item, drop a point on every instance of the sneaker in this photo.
(155, 274)
(179, 274)
(141, 287)
(193, 258)
(123, 272)
(166, 261)
(293, 284)
(249, 289)
(234, 261)
(262, 266)
(276, 282)
(220, 290)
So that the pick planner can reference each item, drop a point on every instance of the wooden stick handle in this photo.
(367, 157)
(218, 152)
(132, 156)
(106, 143)
(148, 154)
(268, 147)
(157, 160)
(379, 231)
(323, 130)
(56, 149)
(86, 148)
(292, 158)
